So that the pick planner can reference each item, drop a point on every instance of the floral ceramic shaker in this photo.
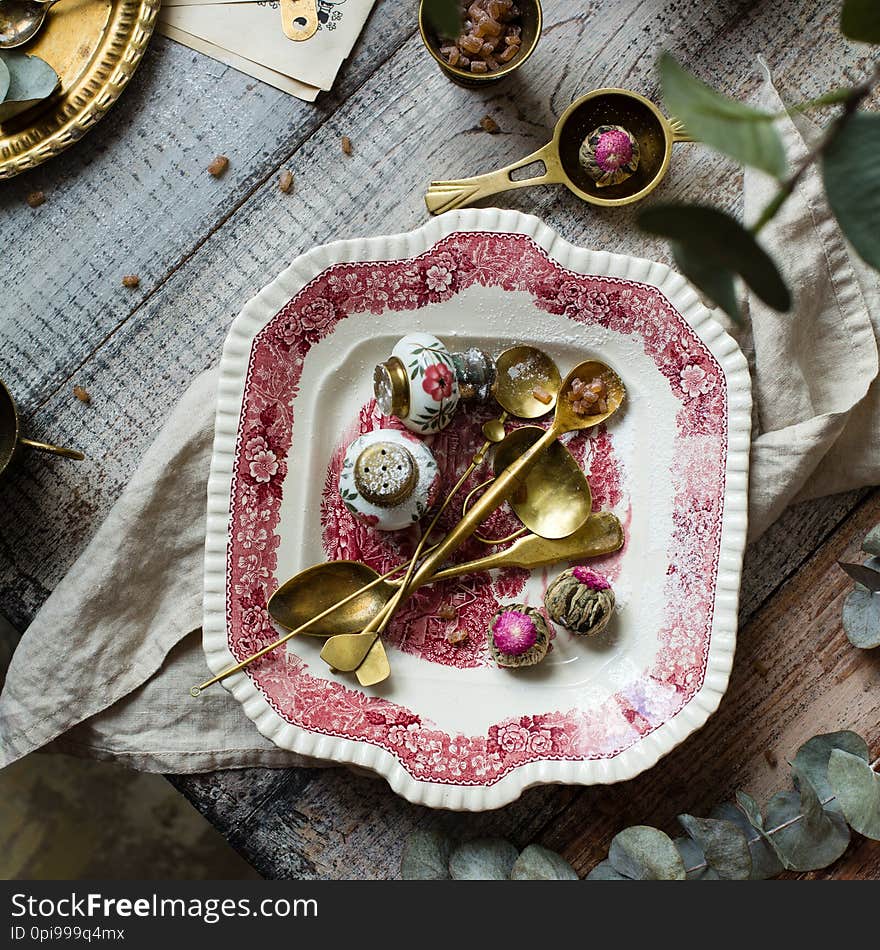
(422, 383)
(388, 479)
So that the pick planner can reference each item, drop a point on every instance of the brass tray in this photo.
(95, 47)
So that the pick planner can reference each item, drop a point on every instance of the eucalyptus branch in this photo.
(851, 103)
(772, 831)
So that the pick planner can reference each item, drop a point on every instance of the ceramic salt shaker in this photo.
(388, 479)
(422, 383)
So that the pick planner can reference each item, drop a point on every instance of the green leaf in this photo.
(860, 20)
(443, 16)
(765, 861)
(4, 79)
(862, 574)
(426, 857)
(715, 282)
(805, 836)
(646, 854)
(717, 242)
(541, 864)
(604, 871)
(811, 760)
(871, 544)
(31, 80)
(857, 789)
(724, 845)
(732, 127)
(851, 173)
(861, 618)
(696, 868)
(484, 859)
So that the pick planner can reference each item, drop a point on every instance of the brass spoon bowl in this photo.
(348, 651)
(21, 20)
(654, 132)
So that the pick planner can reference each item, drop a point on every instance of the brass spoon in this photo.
(304, 606)
(347, 652)
(21, 20)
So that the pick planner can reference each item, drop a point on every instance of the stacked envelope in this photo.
(248, 36)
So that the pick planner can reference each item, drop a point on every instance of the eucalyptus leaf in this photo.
(871, 544)
(861, 618)
(646, 854)
(860, 20)
(696, 868)
(426, 857)
(604, 871)
(862, 574)
(31, 80)
(4, 79)
(811, 759)
(444, 17)
(724, 845)
(715, 282)
(540, 864)
(765, 861)
(851, 172)
(738, 130)
(857, 788)
(804, 835)
(483, 859)
(716, 240)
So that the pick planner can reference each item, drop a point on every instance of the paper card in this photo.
(253, 30)
(286, 84)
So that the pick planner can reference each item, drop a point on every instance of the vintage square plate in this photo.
(449, 729)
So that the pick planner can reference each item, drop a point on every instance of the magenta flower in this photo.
(514, 633)
(592, 580)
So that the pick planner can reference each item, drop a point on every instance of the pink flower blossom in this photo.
(317, 319)
(438, 278)
(514, 633)
(590, 578)
(438, 382)
(695, 381)
(263, 466)
(512, 737)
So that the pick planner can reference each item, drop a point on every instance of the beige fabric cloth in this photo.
(110, 678)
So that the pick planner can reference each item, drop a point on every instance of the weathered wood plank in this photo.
(315, 823)
(135, 198)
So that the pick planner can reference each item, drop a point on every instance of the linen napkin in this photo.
(77, 683)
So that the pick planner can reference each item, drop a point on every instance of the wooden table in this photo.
(134, 198)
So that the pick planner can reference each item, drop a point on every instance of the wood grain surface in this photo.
(135, 198)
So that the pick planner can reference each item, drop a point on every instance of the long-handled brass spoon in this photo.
(21, 20)
(521, 372)
(347, 652)
(345, 582)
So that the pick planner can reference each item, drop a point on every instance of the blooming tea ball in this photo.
(609, 155)
(518, 636)
(581, 600)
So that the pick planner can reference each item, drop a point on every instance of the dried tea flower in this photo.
(518, 636)
(581, 600)
(346, 145)
(82, 394)
(285, 180)
(609, 155)
(218, 166)
(35, 199)
(489, 125)
(131, 281)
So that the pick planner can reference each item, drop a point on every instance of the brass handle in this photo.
(52, 449)
(679, 132)
(447, 195)
(299, 19)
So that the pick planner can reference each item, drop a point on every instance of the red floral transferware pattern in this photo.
(514, 263)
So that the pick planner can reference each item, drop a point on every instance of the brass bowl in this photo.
(11, 438)
(532, 22)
